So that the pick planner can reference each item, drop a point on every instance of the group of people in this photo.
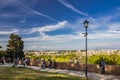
(75, 61)
(4, 60)
(15, 61)
(25, 61)
(48, 64)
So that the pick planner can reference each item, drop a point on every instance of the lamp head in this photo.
(86, 23)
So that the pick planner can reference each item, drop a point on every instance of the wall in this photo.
(109, 69)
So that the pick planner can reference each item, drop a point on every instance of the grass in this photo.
(19, 73)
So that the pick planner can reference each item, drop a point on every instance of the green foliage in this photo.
(15, 46)
(110, 59)
(0, 46)
(94, 59)
(56, 57)
(2, 53)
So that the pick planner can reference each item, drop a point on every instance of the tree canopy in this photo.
(0, 46)
(15, 46)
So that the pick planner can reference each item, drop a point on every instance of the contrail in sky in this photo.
(72, 8)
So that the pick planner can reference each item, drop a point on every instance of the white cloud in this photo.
(104, 31)
(99, 22)
(57, 38)
(9, 32)
(114, 27)
(44, 47)
(34, 46)
(104, 35)
(99, 28)
(104, 27)
(72, 8)
(104, 44)
(49, 27)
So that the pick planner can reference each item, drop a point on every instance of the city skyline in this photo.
(58, 24)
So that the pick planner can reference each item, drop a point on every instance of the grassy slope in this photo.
(9, 73)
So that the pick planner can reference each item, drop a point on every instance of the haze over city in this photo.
(58, 24)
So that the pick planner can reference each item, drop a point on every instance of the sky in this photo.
(58, 24)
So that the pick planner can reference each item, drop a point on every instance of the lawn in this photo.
(19, 73)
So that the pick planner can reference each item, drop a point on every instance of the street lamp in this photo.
(85, 34)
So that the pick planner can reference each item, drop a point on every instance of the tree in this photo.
(15, 46)
(0, 46)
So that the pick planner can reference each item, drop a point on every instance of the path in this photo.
(92, 76)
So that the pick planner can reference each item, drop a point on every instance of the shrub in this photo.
(111, 59)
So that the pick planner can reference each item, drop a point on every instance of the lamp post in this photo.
(85, 34)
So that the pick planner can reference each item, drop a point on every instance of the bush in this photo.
(111, 59)
(2, 53)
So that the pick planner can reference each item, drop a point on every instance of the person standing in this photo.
(15, 62)
(102, 67)
(49, 63)
(54, 64)
(43, 64)
(25, 62)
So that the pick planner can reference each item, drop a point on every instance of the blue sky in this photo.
(58, 24)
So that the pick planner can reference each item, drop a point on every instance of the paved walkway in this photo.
(92, 76)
